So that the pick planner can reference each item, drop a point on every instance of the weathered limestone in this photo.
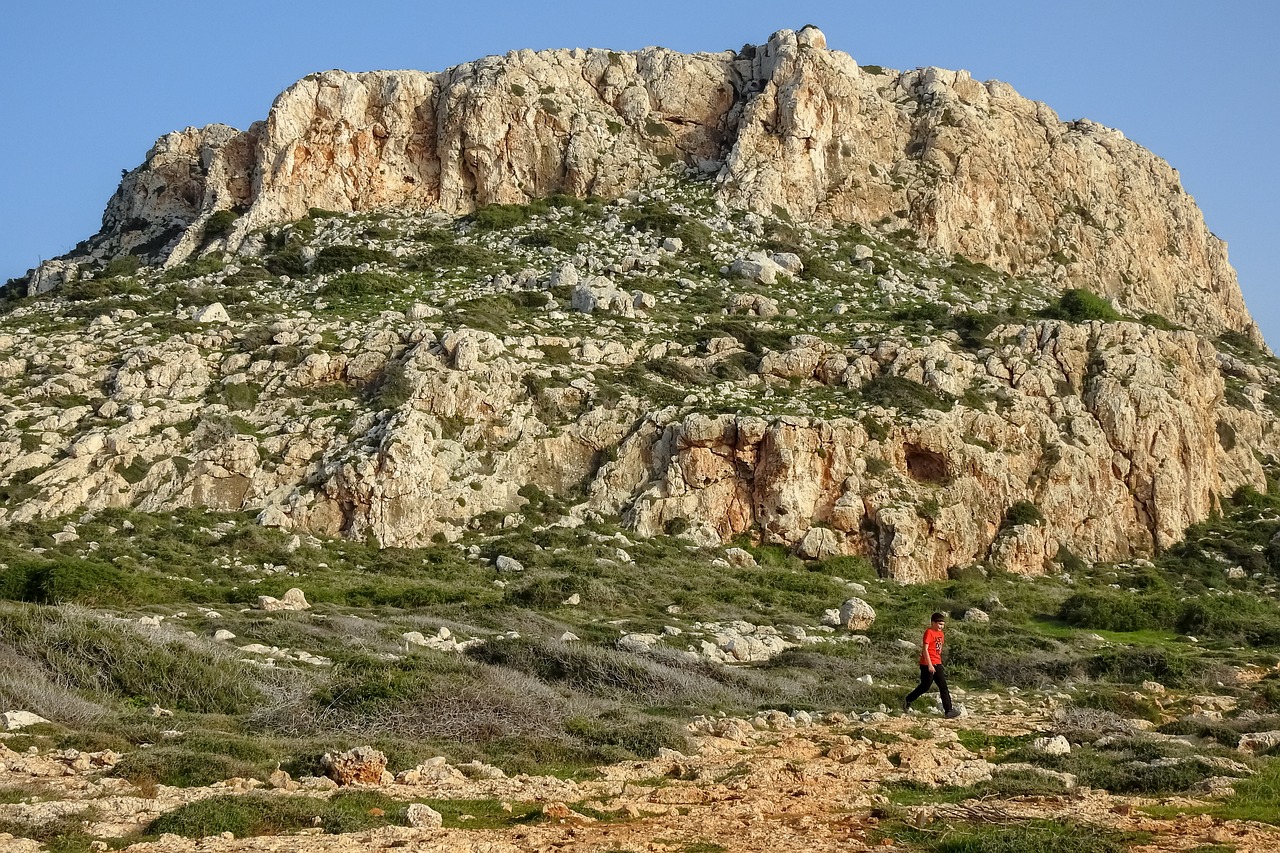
(790, 126)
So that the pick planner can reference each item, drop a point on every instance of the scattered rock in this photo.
(362, 765)
(423, 816)
(1056, 745)
(15, 720)
(507, 564)
(856, 615)
(293, 600)
(214, 313)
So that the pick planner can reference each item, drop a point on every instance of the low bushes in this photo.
(1060, 836)
(129, 661)
(354, 285)
(338, 258)
(1118, 610)
(259, 814)
(179, 767)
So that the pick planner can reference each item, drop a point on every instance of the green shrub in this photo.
(452, 255)
(910, 397)
(237, 396)
(1040, 836)
(102, 287)
(220, 223)
(180, 768)
(355, 285)
(1240, 618)
(1078, 306)
(563, 239)
(130, 661)
(289, 261)
(252, 815)
(338, 258)
(204, 265)
(124, 265)
(546, 592)
(500, 217)
(1256, 798)
(628, 736)
(58, 580)
(1133, 664)
(1117, 610)
(1021, 512)
(598, 671)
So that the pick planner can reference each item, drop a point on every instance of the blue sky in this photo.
(91, 85)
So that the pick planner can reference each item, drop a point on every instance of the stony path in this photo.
(762, 788)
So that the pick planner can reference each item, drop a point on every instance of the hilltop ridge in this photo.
(787, 126)
(764, 293)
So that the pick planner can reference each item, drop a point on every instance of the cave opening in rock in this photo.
(925, 466)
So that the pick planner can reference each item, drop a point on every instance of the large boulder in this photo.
(857, 615)
(362, 765)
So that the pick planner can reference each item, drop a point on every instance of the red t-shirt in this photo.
(932, 653)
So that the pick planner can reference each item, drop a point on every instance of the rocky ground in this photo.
(771, 783)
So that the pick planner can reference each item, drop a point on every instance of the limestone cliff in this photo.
(972, 167)
(766, 293)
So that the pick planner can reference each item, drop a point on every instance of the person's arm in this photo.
(926, 657)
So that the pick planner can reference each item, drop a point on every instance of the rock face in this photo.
(1145, 459)
(972, 167)
(888, 398)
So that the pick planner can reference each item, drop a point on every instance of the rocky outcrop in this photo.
(575, 360)
(1111, 430)
(789, 126)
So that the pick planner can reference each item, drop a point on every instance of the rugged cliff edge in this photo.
(789, 126)
(766, 293)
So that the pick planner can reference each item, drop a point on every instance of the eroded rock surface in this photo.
(973, 167)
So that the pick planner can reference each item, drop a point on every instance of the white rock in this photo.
(508, 564)
(14, 720)
(856, 615)
(214, 313)
(293, 600)
(1056, 745)
(820, 543)
(638, 642)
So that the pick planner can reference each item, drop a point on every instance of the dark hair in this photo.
(938, 617)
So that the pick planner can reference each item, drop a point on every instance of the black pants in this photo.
(927, 680)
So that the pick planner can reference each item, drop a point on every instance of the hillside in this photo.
(508, 418)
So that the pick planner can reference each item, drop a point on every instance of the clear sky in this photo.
(92, 84)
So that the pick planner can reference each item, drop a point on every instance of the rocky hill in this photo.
(908, 316)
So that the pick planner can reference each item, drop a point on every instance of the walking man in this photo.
(931, 669)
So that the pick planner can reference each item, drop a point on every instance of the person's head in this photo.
(938, 620)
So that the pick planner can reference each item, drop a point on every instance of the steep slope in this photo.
(790, 126)
(715, 351)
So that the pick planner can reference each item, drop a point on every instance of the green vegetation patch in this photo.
(263, 814)
(1000, 836)
(1078, 306)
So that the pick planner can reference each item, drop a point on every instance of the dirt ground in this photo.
(775, 783)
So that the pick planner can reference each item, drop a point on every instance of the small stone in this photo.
(508, 564)
(422, 816)
(1056, 745)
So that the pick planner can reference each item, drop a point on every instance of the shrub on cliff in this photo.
(1079, 305)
